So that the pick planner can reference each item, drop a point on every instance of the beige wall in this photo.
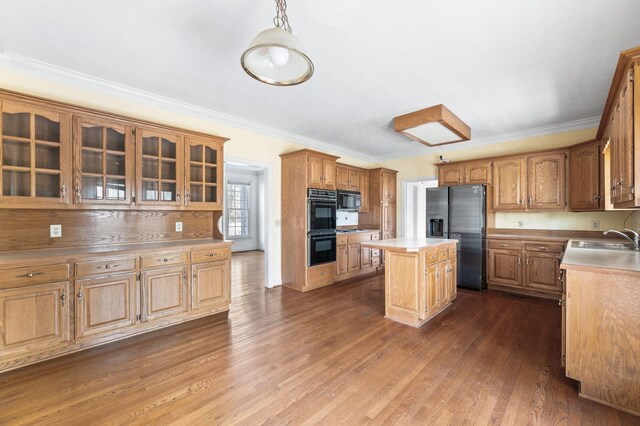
(423, 167)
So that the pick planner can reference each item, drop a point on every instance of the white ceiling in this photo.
(503, 66)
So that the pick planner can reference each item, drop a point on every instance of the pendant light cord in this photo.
(281, 20)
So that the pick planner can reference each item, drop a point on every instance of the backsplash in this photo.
(588, 221)
(345, 218)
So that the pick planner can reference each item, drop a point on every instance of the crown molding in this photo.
(32, 67)
(586, 123)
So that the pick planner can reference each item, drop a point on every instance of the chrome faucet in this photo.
(635, 240)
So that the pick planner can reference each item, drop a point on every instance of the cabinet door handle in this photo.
(178, 197)
(195, 276)
(529, 200)
(79, 295)
(542, 248)
(184, 277)
(63, 191)
(78, 194)
(519, 261)
(63, 297)
(187, 199)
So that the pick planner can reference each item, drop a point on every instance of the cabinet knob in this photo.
(79, 295)
(178, 197)
(195, 276)
(63, 297)
(78, 193)
(185, 277)
(212, 254)
(63, 191)
(107, 266)
(165, 260)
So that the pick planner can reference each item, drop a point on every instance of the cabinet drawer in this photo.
(321, 275)
(100, 266)
(375, 261)
(163, 259)
(432, 257)
(453, 252)
(375, 252)
(375, 236)
(341, 239)
(358, 238)
(35, 274)
(505, 245)
(443, 254)
(212, 254)
(544, 247)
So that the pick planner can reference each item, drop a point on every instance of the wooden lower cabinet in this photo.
(526, 267)
(353, 257)
(342, 260)
(419, 285)
(505, 267)
(164, 292)
(34, 319)
(49, 308)
(210, 285)
(602, 340)
(105, 305)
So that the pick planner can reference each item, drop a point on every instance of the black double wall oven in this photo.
(321, 225)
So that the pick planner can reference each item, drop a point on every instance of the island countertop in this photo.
(407, 245)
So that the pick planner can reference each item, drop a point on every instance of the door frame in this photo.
(405, 201)
(271, 262)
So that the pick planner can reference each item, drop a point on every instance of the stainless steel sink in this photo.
(599, 245)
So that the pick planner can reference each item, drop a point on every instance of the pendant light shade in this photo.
(275, 56)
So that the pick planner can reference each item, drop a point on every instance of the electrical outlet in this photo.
(595, 224)
(55, 231)
(178, 226)
(521, 224)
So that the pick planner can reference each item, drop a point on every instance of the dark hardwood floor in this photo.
(326, 356)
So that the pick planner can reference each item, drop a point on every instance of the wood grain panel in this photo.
(29, 229)
(603, 337)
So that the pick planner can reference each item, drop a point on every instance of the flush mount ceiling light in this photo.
(275, 56)
(433, 126)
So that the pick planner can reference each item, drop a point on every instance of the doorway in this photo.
(247, 204)
(415, 206)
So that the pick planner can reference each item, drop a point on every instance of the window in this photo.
(238, 209)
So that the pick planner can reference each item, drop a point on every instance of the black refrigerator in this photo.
(459, 212)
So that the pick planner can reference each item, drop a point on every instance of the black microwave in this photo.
(349, 200)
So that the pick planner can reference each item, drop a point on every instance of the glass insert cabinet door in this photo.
(103, 161)
(203, 173)
(160, 177)
(35, 152)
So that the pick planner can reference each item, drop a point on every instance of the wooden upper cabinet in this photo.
(477, 173)
(329, 173)
(388, 186)
(342, 177)
(322, 172)
(354, 180)
(451, 175)
(510, 184)
(160, 179)
(547, 181)
(203, 174)
(388, 220)
(621, 133)
(103, 161)
(364, 191)
(35, 144)
(585, 177)
(315, 178)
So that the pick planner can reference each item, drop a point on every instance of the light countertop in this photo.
(590, 258)
(114, 249)
(407, 244)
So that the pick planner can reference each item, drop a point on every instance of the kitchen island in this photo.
(420, 277)
(601, 321)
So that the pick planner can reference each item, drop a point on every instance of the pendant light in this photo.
(275, 56)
